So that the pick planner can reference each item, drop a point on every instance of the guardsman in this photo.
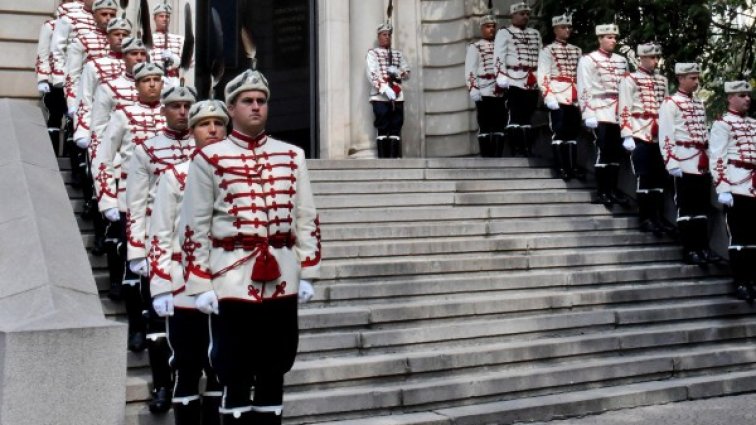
(516, 50)
(599, 73)
(250, 242)
(683, 140)
(188, 330)
(386, 71)
(640, 95)
(74, 19)
(732, 144)
(557, 77)
(166, 47)
(128, 127)
(480, 77)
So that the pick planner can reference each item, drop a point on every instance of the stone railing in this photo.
(61, 361)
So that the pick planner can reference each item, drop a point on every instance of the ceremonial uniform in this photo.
(249, 233)
(733, 166)
(640, 95)
(516, 59)
(73, 21)
(96, 72)
(85, 47)
(480, 77)
(557, 78)
(166, 50)
(110, 94)
(683, 141)
(52, 97)
(386, 71)
(598, 79)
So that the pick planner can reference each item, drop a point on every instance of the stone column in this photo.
(333, 73)
(364, 18)
(408, 39)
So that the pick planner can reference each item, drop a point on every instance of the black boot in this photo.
(486, 145)
(576, 170)
(137, 326)
(528, 140)
(54, 134)
(614, 192)
(646, 214)
(740, 271)
(266, 418)
(659, 211)
(243, 419)
(382, 146)
(162, 380)
(516, 144)
(602, 188)
(559, 164)
(395, 147)
(210, 406)
(687, 239)
(189, 413)
(565, 155)
(498, 142)
(98, 223)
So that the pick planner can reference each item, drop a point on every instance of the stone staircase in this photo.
(486, 291)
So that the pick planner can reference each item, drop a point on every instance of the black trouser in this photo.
(55, 103)
(610, 153)
(521, 104)
(389, 119)
(491, 114)
(742, 232)
(565, 126)
(136, 291)
(693, 199)
(254, 343)
(189, 336)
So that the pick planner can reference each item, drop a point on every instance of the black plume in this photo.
(187, 52)
(144, 19)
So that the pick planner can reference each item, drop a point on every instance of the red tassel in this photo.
(703, 162)
(574, 93)
(266, 267)
(532, 80)
(397, 88)
(654, 129)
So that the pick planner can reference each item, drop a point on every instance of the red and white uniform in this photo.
(108, 95)
(96, 72)
(44, 63)
(480, 70)
(171, 43)
(73, 21)
(378, 62)
(640, 95)
(683, 138)
(516, 55)
(557, 72)
(598, 79)
(128, 127)
(166, 271)
(732, 145)
(249, 229)
(84, 48)
(152, 159)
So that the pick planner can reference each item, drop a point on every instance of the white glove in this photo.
(163, 304)
(43, 87)
(629, 144)
(207, 302)
(675, 172)
(112, 214)
(83, 142)
(502, 81)
(71, 111)
(552, 104)
(388, 92)
(306, 291)
(725, 198)
(475, 95)
(139, 266)
(591, 122)
(394, 71)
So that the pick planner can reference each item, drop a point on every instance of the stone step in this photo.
(361, 164)
(496, 384)
(574, 403)
(389, 187)
(318, 176)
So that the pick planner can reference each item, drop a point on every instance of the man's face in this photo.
(521, 19)
(739, 102)
(649, 63)
(161, 21)
(132, 58)
(209, 130)
(608, 42)
(688, 82)
(488, 31)
(562, 32)
(384, 39)
(115, 38)
(249, 112)
(103, 16)
(148, 88)
(176, 115)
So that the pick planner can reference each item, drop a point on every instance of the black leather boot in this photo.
(486, 146)
(210, 413)
(395, 147)
(189, 413)
(162, 379)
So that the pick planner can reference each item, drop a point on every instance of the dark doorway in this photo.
(285, 33)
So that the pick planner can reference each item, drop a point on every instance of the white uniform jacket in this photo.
(480, 72)
(378, 62)
(640, 95)
(171, 43)
(598, 79)
(108, 95)
(44, 65)
(683, 137)
(249, 228)
(96, 71)
(516, 55)
(128, 127)
(74, 22)
(150, 160)
(84, 48)
(557, 72)
(733, 154)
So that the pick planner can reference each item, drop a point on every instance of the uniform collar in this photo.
(129, 76)
(175, 134)
(151, 105)
(115, 55)
(645, 71)
(604, 52)
(740, 114)
(690, 95)
(249, 141)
